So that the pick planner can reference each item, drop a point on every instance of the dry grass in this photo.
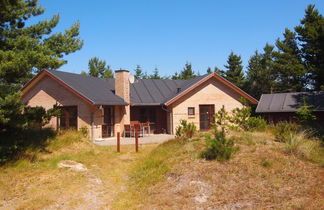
(261, 175)
(38, 184)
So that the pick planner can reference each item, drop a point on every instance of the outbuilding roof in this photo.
(290, 102)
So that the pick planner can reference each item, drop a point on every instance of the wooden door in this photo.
(206, 116)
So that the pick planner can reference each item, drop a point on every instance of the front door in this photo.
(69, 117)
(206, 116)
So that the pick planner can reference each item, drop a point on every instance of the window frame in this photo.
(193, 111)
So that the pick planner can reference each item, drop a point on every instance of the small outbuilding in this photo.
(283, 106)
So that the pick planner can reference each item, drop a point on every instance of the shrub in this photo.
(241, 116)
(186, 129)
(265, 163)
(218, 146)
(282, 130)
(305, 115)
(84, 130)
(256, 124)
(298, 144)
(14, 144)
(222, 119)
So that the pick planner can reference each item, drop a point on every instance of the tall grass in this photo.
(298, 144)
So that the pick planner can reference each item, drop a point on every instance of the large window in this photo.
(69, 117)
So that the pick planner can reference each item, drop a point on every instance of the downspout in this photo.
(92, 122)
(170, 115)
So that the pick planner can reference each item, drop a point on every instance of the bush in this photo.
(283, 130)
(298, 144)
(218, 146)
(14, 144)
(84, 130)
(186, 129)
(256, 124)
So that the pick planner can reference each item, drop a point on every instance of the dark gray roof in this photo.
(290, 102)
(158, 91)
(142, 92)
(97, 90)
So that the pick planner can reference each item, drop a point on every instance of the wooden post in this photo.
(136, 141)
(118, 142)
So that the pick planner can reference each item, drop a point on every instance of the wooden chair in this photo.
(127, 130)
(146, 127)
(138, 129)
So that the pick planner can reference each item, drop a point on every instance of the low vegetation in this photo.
(258, 166)
(185, 129)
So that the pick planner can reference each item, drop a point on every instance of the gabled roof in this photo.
(142, 92)
(290, 102)
(94, 90)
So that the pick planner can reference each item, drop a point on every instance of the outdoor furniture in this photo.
(146, 127)
(138, 129)
(127, 130)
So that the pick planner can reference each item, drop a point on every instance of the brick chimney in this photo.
(122, 89)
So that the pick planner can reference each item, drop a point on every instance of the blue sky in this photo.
(168, 33)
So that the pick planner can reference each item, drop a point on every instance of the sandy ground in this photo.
(152, 139)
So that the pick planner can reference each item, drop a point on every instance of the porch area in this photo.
(152, 139)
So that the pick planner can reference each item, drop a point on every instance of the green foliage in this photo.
(260, 75)
(297, 143)
(186, 73)
(218, 146)
(265, 163)
(234, 72)
(98, 68)
(283, 130)
(14, 144)
(310, 35)
(155, 74)
(240, 117)
(305, 115)
(10, 111)
(24, 50)
(84, 130)
(288, 65)
(138, 72)
(185, 129)
(221, 119)
(256, 124)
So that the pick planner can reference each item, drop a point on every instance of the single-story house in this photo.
(283, 106)
(104, 106)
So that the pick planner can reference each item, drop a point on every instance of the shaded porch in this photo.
(155, 115)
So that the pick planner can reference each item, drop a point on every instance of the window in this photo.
(191, 110)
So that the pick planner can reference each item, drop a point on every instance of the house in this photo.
(283, 106)
(104, 106)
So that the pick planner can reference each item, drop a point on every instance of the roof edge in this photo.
(47, 72)
(221, 79)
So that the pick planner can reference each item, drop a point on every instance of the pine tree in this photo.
(187, 72)
(27, 48)
(234, 71)
(98, 68)
(310, 33)
(138, 72)
(209, 71)
(261, 77)
(155, 74)
(219, 71)
(288, 65)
